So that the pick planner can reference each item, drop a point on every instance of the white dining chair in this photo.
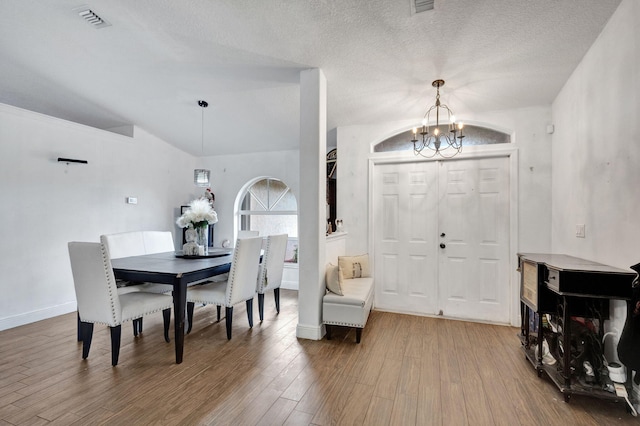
(158, 242)
(271, 269)
(138, 243)
(98, 299)
(240, 287)
(247, 234)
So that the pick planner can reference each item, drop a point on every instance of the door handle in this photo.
(442, 245)
(443, 234)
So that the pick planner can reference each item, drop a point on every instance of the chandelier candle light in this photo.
(446, 144)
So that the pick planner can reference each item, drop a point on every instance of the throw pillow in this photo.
(353, 267)
(332, 280)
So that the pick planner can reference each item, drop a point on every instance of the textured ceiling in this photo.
(244, 57)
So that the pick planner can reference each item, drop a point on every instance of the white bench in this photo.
(350, 310)
(137, 243)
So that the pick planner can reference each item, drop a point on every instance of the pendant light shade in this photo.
(201, 177)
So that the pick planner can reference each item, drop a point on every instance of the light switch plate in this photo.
(132, 200)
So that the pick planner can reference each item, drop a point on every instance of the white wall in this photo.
(46, 204)
(229, 173)
(596, 151)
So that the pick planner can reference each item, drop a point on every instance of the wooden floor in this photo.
(407, 370)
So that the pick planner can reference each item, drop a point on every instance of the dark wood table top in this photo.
(167, 263)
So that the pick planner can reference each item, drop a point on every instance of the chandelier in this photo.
(447, 142)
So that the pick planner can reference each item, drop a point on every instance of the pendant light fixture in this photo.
(446, 142)
(201, 177)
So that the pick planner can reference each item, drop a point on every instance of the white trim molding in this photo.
(38, 315)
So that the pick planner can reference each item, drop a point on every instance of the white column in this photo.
(313, 199)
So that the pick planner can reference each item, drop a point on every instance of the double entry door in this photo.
(441, 238)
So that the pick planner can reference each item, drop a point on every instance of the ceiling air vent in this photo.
(423, 5)
(91, 17)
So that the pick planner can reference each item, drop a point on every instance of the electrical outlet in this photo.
(132, 200)
(580, 231)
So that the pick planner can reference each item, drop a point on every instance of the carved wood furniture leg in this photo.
(79, 329)
(261, 306)
(190, 307)
(87, 335)
(250, 312)
(166, 317)
(116, 335)
(229, 319)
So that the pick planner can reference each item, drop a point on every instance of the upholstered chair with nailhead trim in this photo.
(240, 287)
(98, 299)
(271, 268)
(138, 243)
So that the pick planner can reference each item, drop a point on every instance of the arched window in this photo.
(269, 207)
(473, 135)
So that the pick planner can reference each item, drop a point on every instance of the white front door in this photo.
(405, 228)
(441, 238)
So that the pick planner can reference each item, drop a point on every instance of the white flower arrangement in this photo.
(200, 213)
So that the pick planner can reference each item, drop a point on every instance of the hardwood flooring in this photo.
(408, 370)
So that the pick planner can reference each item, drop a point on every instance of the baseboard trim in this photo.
(289, 285)
(34, 316)
(311, 332)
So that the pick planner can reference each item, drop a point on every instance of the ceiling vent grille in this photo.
(92, 18)
(423, 5)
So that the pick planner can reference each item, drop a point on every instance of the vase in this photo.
(202, 237)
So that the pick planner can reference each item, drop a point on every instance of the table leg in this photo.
(179, 302)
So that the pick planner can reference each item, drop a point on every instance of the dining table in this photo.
(177, 270)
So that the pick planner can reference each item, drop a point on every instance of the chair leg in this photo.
(79, 329)
(87, 335)
(276, 296)
(358, 334)
(190, 307)
(116, 334)
(218, 307)
(229, 313)
(261, 306)
(137, 326)
(166, 317)
(250, 312)
(328, 328)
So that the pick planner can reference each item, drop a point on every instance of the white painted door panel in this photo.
(405, 218)
(468, 202)
(474, 216)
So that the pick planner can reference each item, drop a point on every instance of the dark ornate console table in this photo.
(566, 287)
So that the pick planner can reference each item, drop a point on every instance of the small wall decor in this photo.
(71, 160)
